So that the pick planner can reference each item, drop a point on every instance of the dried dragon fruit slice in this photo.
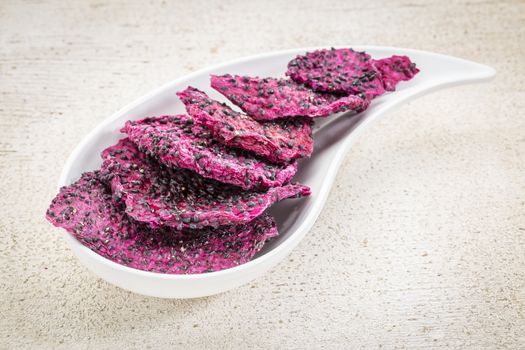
(162, 196)
(86, 210)
(278, 141)
(177, 142)
(272, 98)
(395, 69)
(345, 71)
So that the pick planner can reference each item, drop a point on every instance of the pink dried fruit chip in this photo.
(177, 142)
(162, 196)
(278, 141)
(395, 69)
(346, 71)
(272, 98)
(342, 71)
(86, 210)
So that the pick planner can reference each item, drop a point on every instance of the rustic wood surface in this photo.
(421, 243)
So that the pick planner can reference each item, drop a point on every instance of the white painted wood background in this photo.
(422, 241)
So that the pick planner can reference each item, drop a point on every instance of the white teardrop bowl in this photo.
(333, 138)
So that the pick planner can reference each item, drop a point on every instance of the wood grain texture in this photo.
(421, 243)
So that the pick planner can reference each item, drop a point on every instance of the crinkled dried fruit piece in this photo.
(278, 141)
(345, 71)
(395, 69)
(86, 210)
(272, 98)
(176, 142)
(162, 196)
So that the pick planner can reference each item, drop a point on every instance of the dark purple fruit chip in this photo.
(179, 198)
(279, 141)
(395, 69)
(86, 210)
(272, 98)
(345, 71)
(177, 142)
